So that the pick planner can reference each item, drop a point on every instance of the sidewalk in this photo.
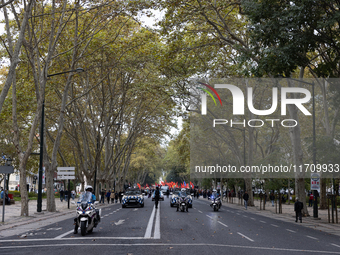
(16, 224)
(288, 215)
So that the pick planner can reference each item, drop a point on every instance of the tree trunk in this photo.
(295, 136)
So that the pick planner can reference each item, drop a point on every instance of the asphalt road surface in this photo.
(164, 231)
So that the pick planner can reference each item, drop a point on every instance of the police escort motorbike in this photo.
(88, 216)
(182, 201)
(215, 201)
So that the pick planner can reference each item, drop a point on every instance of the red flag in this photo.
(138, 185)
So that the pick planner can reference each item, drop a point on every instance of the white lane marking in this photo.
(194, 207)
(150, 223)
(222, 224)
(199, 211)
(237, 213)
(274, 225)
(291, 230)
(157, 232)
(65, 234)
(111, 213)
(210, 217)
(335, 245)
(54, 229)
(312, 237)
(159, 244)
(245, 216)
(263, 221)
(245, 237)
(253, 218)
(120, 222)
(135, 209)
(106, 215)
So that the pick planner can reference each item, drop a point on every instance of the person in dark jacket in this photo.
(61, 192)
(272, 198)
(121, 194)
(245, 198)
(116, 197)
(298, 206)
(157, 195)
(108, 194)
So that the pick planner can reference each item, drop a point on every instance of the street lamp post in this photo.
(39, 204)
(8, 163)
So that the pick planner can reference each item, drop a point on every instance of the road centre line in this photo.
(65, 234)
(253, 218)
(150, 224)
(164, 244)
(245, 216)
(291, 230)
(210, 217)
(335, 245)
(245, 237)
(199, 211)
(262, 221)
(312, 237)
(274, 225)
(222, 224)
(157, 231)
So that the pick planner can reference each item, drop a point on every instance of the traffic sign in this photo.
(66, 173)
(66, 177)
(6, 169)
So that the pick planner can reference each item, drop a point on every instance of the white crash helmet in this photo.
(89, 188)
(183, 190)
(214, 190)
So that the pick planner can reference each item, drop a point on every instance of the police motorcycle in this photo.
(88, 216)
(215, 201)
(182, 201)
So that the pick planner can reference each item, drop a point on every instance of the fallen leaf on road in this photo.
(170, 248)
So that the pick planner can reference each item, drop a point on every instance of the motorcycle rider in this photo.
(182, 193)
(88, 190)
(215, 195)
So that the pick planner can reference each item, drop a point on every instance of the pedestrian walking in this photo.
(61, 192)
(73, 194)
(116, 197)
(112, 196)
(245, 198)
(272, 198)
(311, 197)
(66, 195)
(298, 206)
(108, 194)
(157, 194)
(121, 193)
(102, 195)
